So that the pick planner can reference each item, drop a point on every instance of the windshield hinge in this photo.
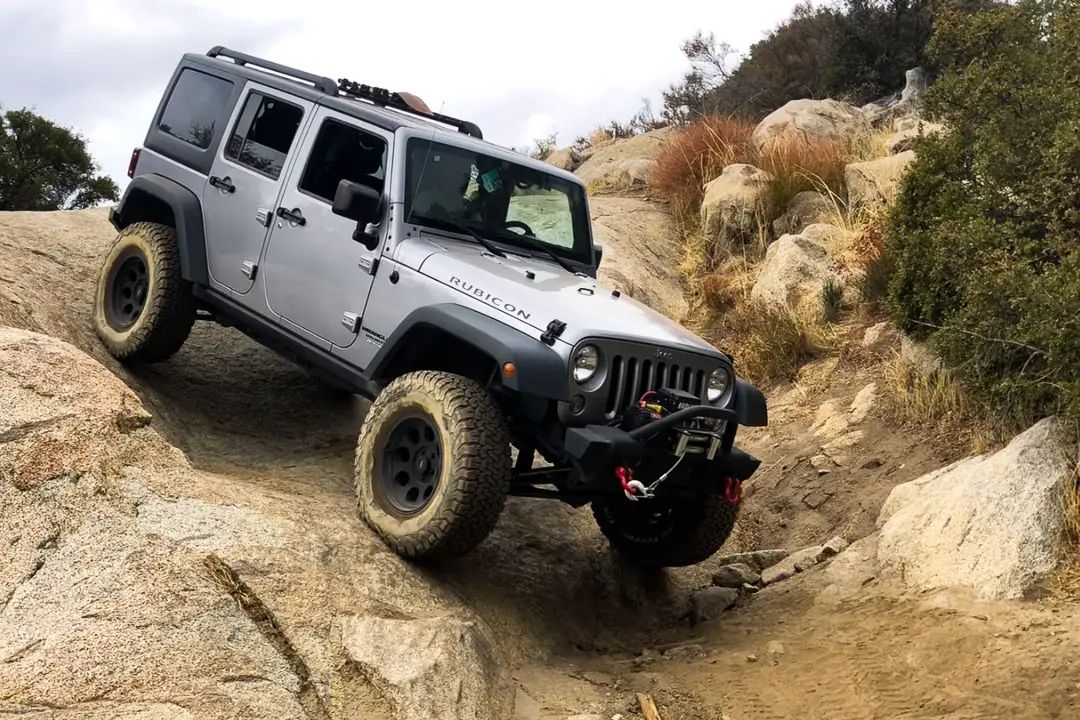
(554, 329)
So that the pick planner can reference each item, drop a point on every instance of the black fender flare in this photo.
(142, 201)
(750, 405)
(540, 371)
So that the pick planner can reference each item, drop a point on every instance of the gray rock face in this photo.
(990, 523)
(439, 668)
(758, 560)
(735, 576)
(709, 603)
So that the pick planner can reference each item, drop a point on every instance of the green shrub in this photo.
(983, 240)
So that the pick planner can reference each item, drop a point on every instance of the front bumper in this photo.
(597, 450)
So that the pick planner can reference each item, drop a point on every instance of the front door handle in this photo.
(223, 183)
(294, 216)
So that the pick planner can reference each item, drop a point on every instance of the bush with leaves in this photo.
(985, 237)
(44, 166)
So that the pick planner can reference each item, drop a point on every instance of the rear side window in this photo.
(196, 103)
(264, 133)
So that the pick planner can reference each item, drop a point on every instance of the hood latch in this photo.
(554, 329)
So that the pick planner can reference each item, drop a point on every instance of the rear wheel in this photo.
(432, 469)
(666, 533)
(143, 308)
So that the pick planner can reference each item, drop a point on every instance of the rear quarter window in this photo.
(196, 105)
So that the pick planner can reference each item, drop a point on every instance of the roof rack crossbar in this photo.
(386, 98)
(322, 84)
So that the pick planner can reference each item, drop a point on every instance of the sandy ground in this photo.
(573, 622)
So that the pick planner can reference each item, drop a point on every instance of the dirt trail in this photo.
(568, 618)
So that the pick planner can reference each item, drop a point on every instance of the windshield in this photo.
(499, 199)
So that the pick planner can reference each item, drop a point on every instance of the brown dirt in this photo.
(569, 619)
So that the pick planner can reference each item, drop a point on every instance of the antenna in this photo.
(427, 156)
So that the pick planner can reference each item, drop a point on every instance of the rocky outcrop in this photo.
(907, 130)
(132, 583)
(989, 523)
(795, 269)
(641, 254)
(621, 164)
(875, 182)
(408, 661)
(730, 209)
(811, 121)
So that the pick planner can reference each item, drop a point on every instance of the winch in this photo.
(696, 436)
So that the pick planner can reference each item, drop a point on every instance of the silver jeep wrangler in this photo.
(396, 254)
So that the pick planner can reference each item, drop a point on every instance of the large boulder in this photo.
(133, 585)
(622, 164)
(990, 523)
(795, 269)
(731, 207)
(874, 183)
(812, 121)
(806, 208)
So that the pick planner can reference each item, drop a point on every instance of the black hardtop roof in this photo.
(375, 105)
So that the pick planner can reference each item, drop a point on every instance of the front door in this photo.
(317, 276)
(240, 197)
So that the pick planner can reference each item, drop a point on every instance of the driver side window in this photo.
(343, 152)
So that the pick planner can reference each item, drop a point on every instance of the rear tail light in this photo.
(133, 162)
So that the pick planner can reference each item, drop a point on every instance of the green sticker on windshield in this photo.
(491, 180)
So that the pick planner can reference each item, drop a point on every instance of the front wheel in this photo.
(666, 533)
(143, 307)
(432, 469)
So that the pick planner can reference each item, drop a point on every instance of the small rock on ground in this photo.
(709, 603)
(796, 562)
(758, 560)
(735, 576)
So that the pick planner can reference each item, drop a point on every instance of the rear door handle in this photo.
(294, 216)
(223, 183)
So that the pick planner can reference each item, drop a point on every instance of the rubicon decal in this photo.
(493, 300)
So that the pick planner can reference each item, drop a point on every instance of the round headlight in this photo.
(719, 380)
(586, 363)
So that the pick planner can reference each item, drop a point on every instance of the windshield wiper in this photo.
(541, 247)
(491, 247)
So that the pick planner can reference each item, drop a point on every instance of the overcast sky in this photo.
(520, 70)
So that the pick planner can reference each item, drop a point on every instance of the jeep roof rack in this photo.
(346, 88)
(386, 98)
(322, 84)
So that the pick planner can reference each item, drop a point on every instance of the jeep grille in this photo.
(631, 377)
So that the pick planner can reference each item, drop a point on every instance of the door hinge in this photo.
(351, 321)
(263, 216)
(249, 269)
(369, 264)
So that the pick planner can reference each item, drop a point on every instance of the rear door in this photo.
(245, 182)
(317, 276)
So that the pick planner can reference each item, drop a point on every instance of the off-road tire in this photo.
(474, 479)
(694, 532)
(168, 312)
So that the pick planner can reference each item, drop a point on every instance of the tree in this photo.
(985, 235)
(44, 166)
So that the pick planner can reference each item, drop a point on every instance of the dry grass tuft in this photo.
(936, 403)
(696, 155)
(1065, 585)
(797, 166)
(770, 342)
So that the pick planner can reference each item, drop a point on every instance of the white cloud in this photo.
(518, 70)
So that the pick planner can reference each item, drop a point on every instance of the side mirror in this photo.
(598, 254)
(360, 203)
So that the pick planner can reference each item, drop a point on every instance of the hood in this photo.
(537, 291)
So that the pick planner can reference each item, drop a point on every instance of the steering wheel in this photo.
(517, 223)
